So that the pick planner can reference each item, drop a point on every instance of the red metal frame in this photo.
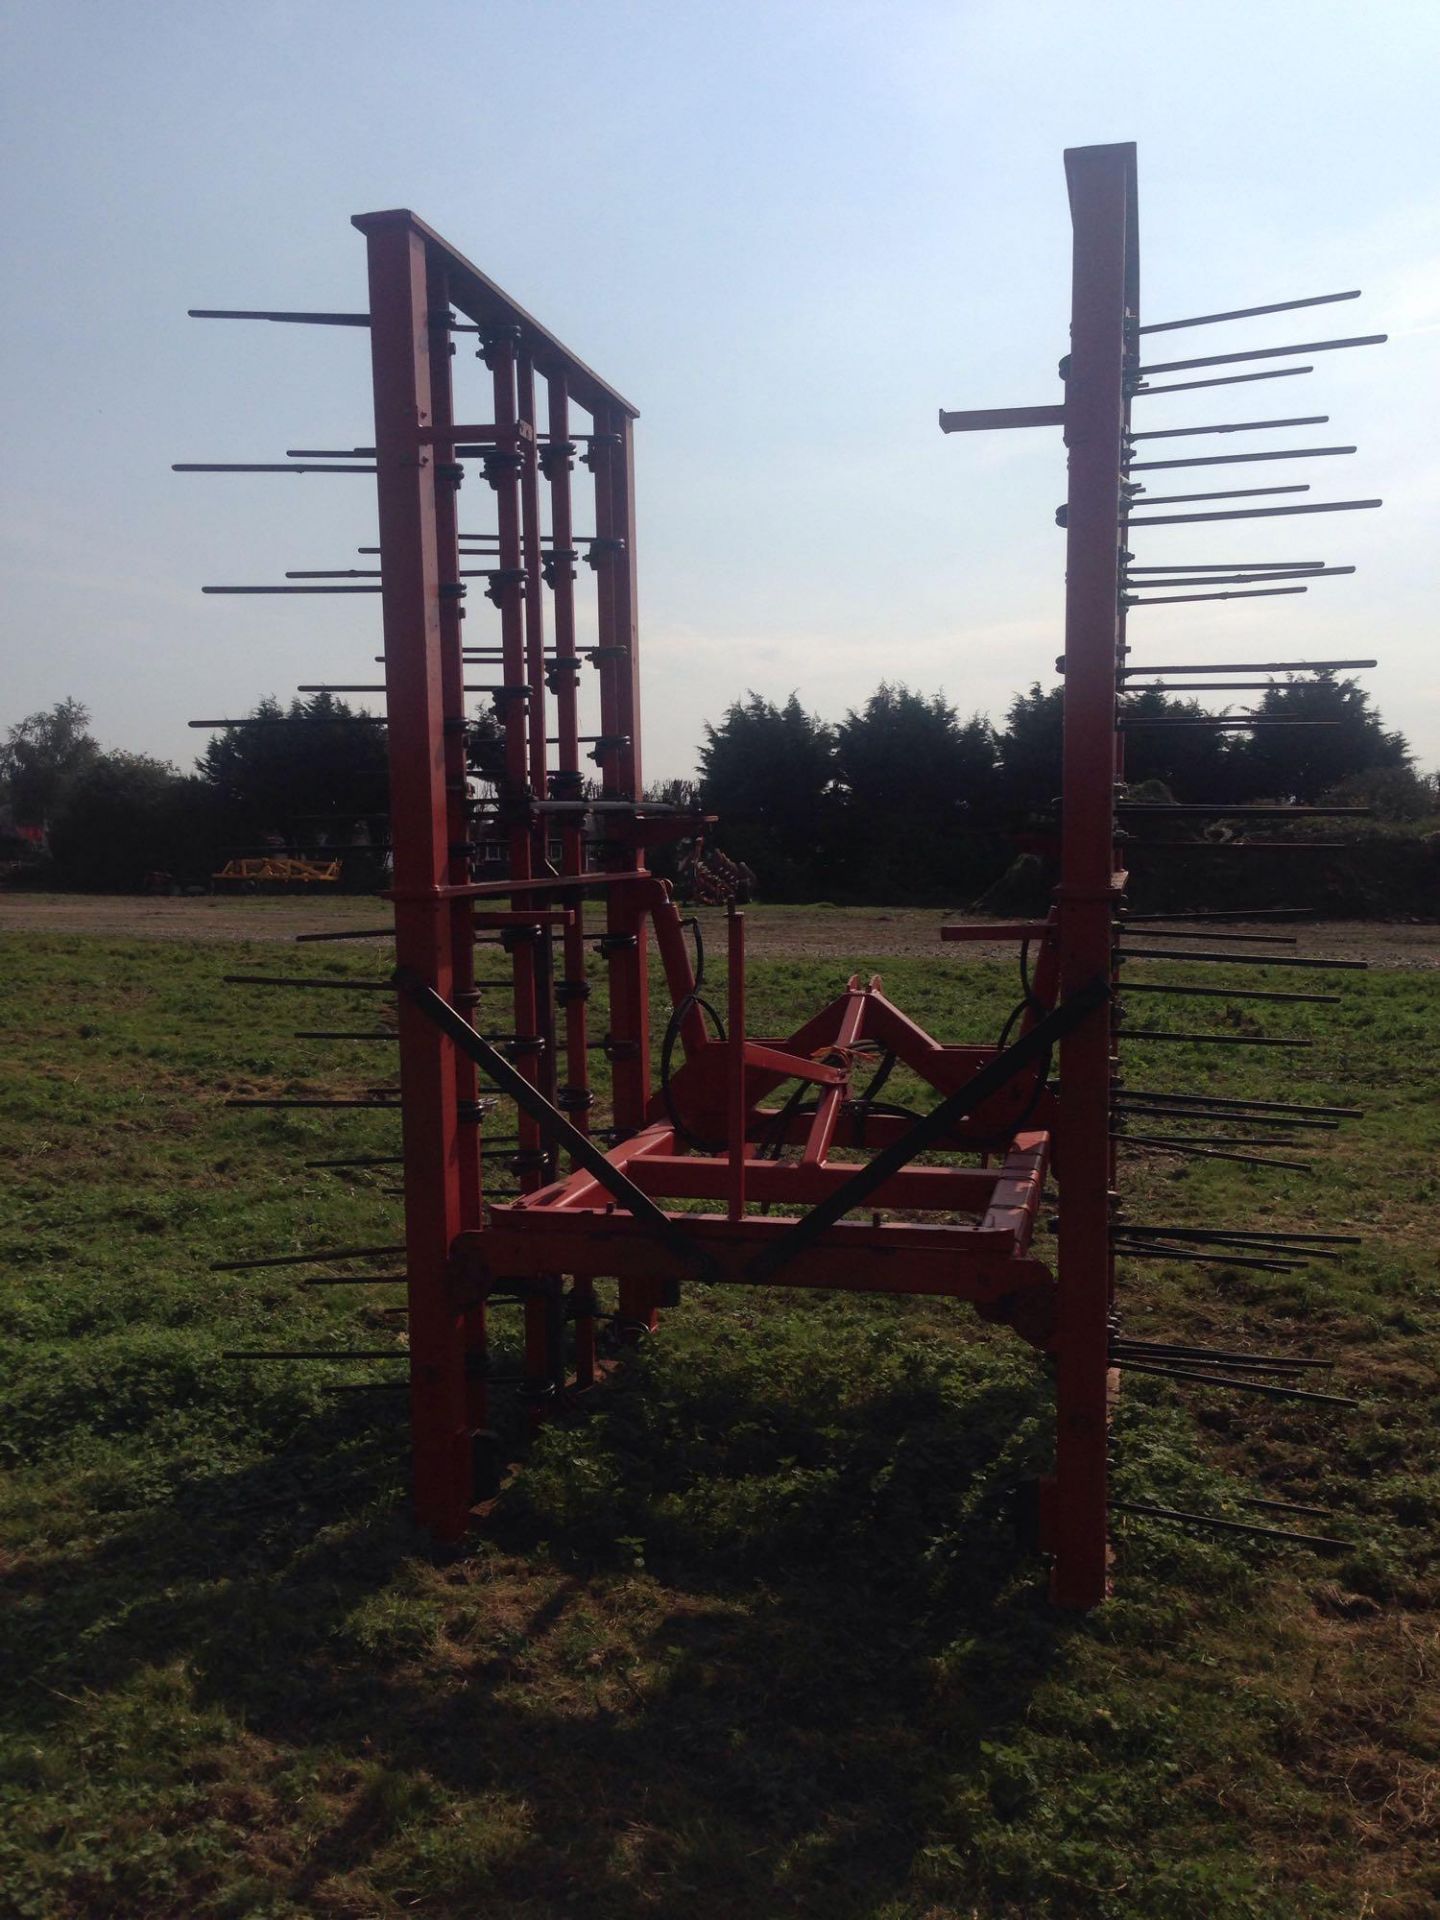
(967, 1228)
(818, 1187)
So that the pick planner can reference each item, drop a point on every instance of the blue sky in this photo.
(790, 233)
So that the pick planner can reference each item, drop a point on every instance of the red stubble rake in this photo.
(743, 1125)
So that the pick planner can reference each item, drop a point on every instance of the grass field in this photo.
(757, 1635)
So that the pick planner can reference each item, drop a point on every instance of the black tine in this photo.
(387, 1106)
(1225, 380)
(1136, 931)
(1258, 1106)
(1317, 1542)
(321, 1033)
(1210, 1039)
(315, 1353)
(1265, 353)
(304, 1259)
(356, 1280)
(295, 319)
(1142, 1250)
(1254, 1233)
(1251, 513)
(1249, 313)
(1148, 1143)
(1240, 459)
(1233, 993)
(358, 933)
(1261, 1387)
(300, 980)
(1223, 426)
(1287, 1506)
(363, 1160)
(1242, 959)
(1176, 1350)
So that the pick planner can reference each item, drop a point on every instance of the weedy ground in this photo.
(756, 1635)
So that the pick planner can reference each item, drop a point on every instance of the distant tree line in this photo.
(309, 775)
(900, 801)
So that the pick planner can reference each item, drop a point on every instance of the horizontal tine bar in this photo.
(1245, 1104)
(386, 1106)
(1236, 846)
(1141, 1250)
(981, 420)
(1212, 1039)
(1205, 686)
(304, 1259)
(1318, 1542)
(316, 1353)
(1166, 1117)
(1285, 1506)
(1213, 576)
(1243, 959)
(1291, 1362)
(1220, 810)
(1183, 599)
(290, 589)
(1232, 426)
(233, 466)
(355, 1280)
(1141, 1109)
(1256, 666)
(1281, 1236)
(1238, 459)
(1233, 993)
(356, 933)
(1264, 353)
(1249, 313)
(302, 720)
(374, 1033)
(1232, 566)
(294, 319)
(362, 1160)
(1143, 499)
(1226, 380)
(1262, 1387)
(1157, 1144)
(1227, 913)
(302, 980)
(1137, 932)
(1252, 513)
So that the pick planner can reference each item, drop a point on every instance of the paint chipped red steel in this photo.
(968, 1230)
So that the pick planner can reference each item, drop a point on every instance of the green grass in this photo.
(760, 1635)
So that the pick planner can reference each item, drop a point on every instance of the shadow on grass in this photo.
(722, 1651)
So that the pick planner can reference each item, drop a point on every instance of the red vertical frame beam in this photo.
(532, 561)
(736, 1107)
(558, 465)
(626, 922)
(627, 622)
(415, 703)
(561, 573)
(500, 355)
(1104, 286)
(541, 1357)
(457, 812)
